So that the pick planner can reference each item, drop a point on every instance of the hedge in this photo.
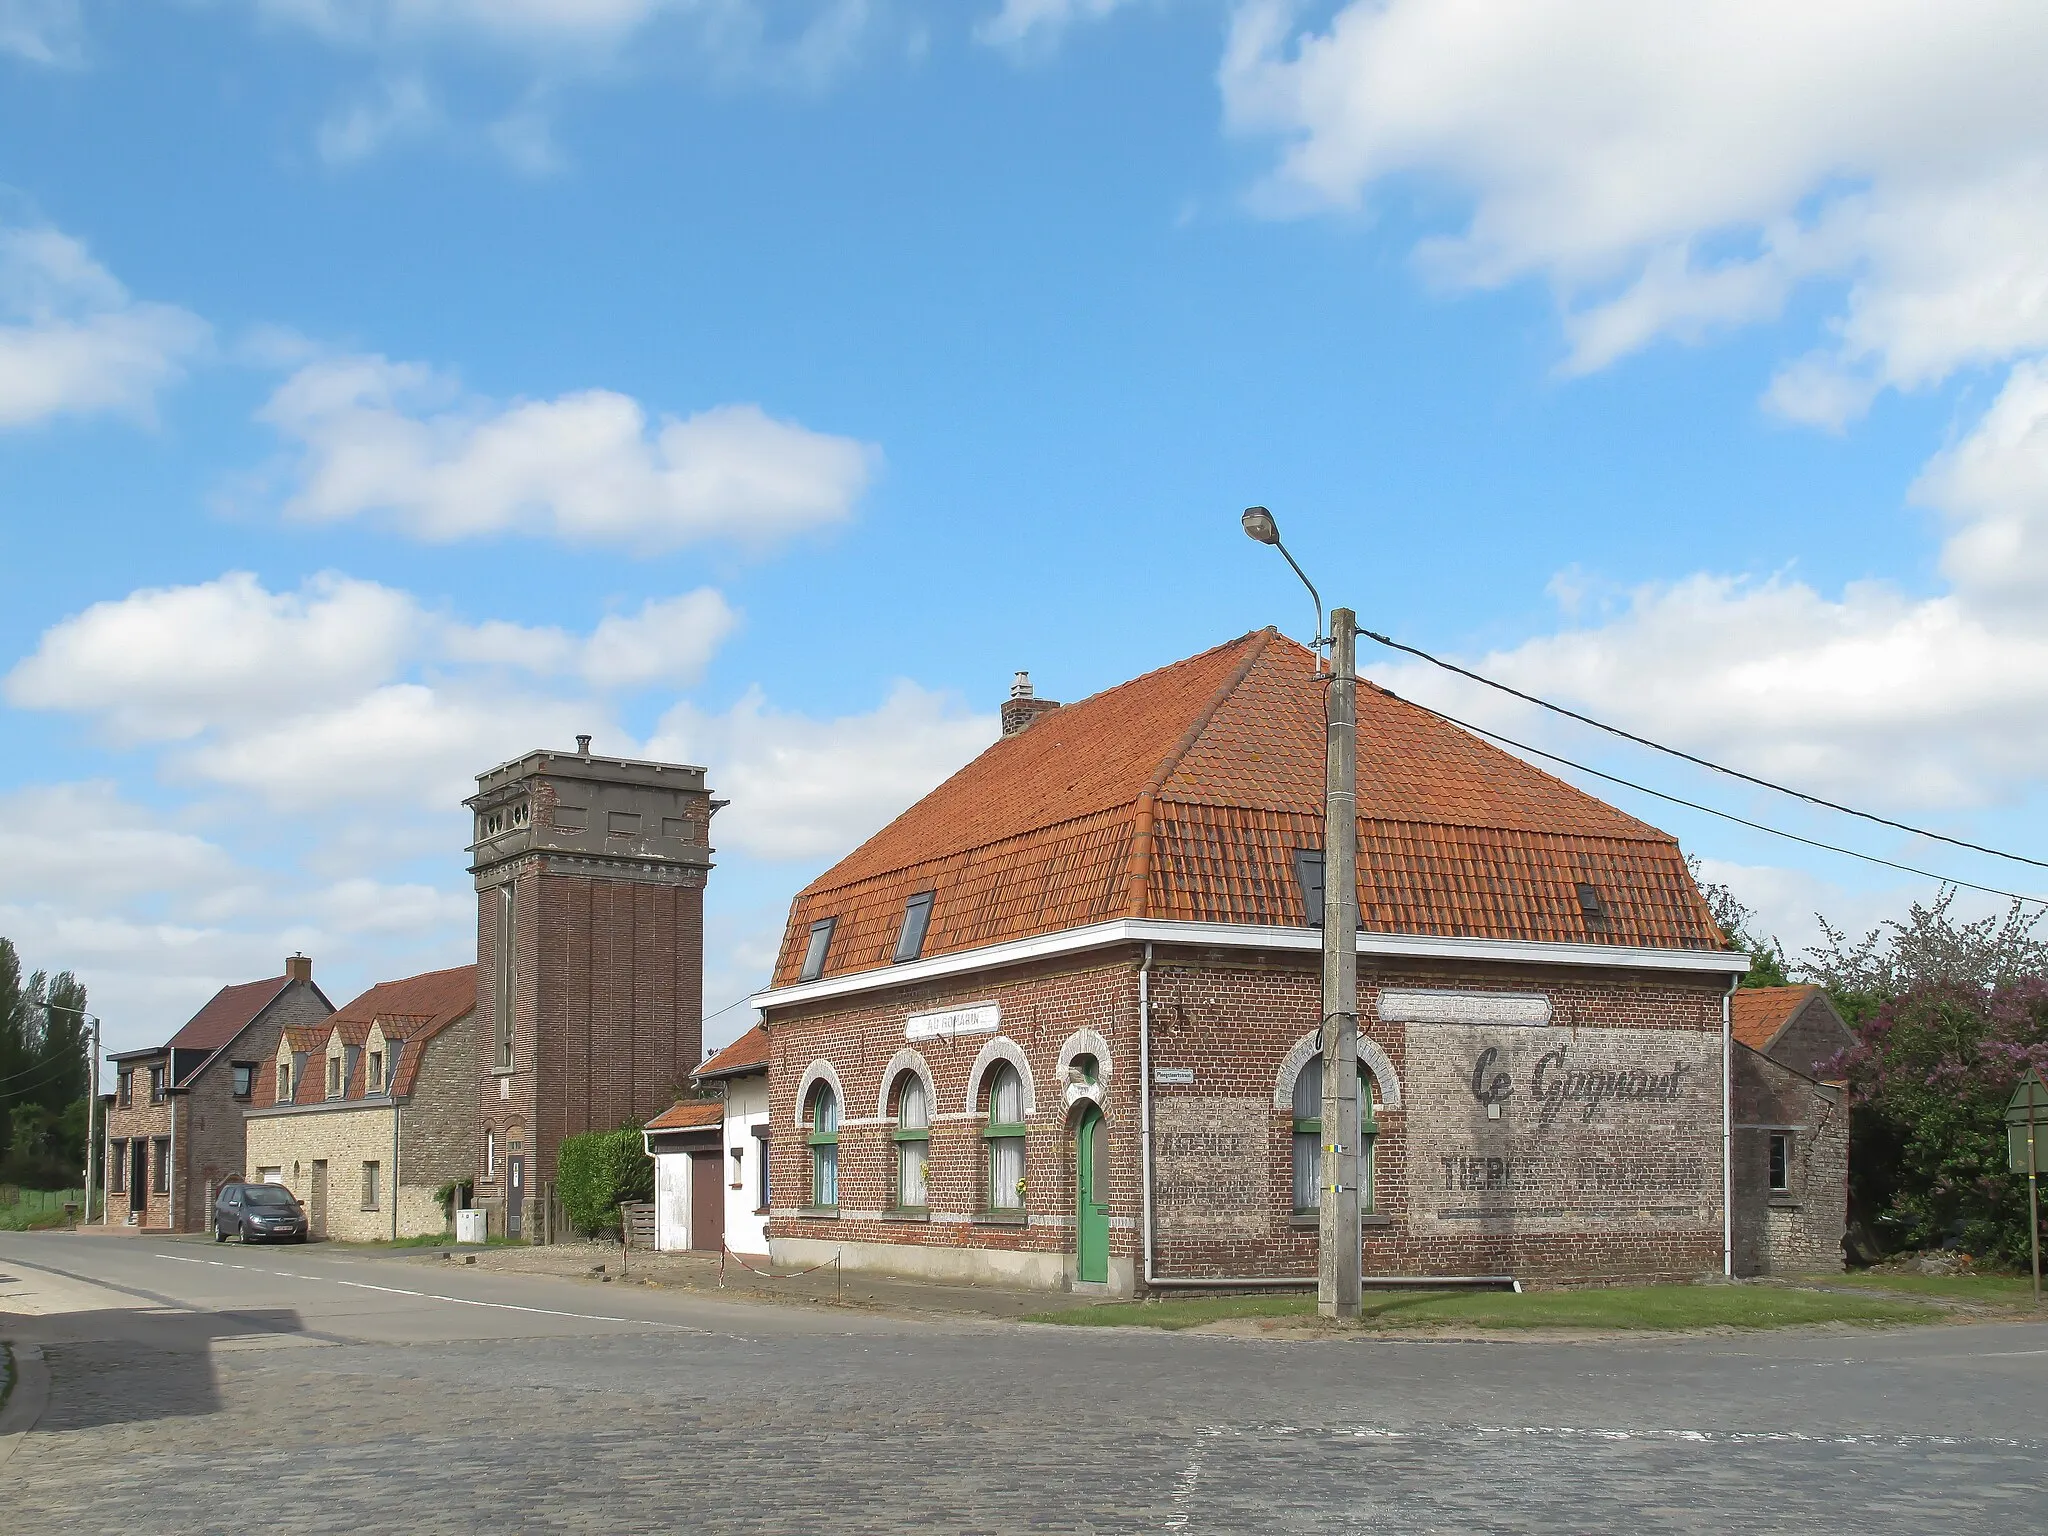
(598, 1170)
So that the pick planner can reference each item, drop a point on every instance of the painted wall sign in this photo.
(1403, 1006)
(1210, 1159)
(1544, 1130)
(981, 1019)
(1174, 1077)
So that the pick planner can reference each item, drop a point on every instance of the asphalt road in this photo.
(195, 1388)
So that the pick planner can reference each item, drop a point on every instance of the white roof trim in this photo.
(1715, 962)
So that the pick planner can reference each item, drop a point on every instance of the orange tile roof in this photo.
(749, 1053)
(691, 1115)
(1758, 1014)
(1183, 794)
(412, 1010)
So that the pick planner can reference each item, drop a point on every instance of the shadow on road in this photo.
(135, 1365)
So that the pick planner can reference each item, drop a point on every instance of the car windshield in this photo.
(268, 1194)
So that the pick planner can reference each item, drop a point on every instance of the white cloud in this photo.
(670, 640)
(168, 662)
(86, 841)
(42, 31)
(803, 788)
(1672, 170)
(1993, 486)
(390, 111)
(73, 341)
(398, 440)
(1033, 23)
(539, 25)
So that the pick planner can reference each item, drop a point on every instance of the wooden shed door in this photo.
(707, 1202)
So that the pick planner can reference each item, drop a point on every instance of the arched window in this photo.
(913, 1143)
(1308, 1137)
(1005, 1136)
(824, 1141)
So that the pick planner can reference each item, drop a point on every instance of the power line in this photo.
(1694, 805)
(1733, 773)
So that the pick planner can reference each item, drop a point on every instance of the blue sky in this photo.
(387, 386)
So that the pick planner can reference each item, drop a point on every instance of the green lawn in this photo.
(31, 1210)
(1999, 1290)
(1645, 1306)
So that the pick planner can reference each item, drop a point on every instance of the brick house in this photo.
(1056, 1024)
(364, 1115)
(590, 879)
(1791, 1131)
(174, 1121)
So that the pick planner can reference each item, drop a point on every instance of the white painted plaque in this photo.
(1174, 1077)
(1401, 1006)
(981, 1019)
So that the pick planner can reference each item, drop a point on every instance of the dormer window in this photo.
(373, 1080)
(284, 1082)
(1592, 908)
(1308, 874)
(814, 952)
(334, 1077)
(917, 917)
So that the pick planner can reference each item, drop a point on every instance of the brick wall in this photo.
(440, 1115)
(1644, 1201)
(211, 1144)
(1798, 1230)
(147, 1121)
(1812, 1041)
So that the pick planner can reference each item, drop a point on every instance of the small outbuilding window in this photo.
(1781, 1162)
(1308, 1138)
(913, 1143)
(917, 917)
(1005, 1136)
(814, 952)
(824, 1142)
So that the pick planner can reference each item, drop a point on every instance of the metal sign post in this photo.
(2026, 1138)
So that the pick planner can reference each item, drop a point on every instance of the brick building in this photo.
(590, 878)
(366, 1114)
(174, 1121)
(1791, 1131)
(1056, 1024)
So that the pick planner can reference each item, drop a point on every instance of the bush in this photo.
(600, 1169)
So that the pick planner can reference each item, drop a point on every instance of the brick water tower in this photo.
(590, 957)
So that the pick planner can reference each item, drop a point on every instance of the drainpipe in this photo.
(395, 1171)
(171, 1159)
(1145, 1100)
(1728, 1127)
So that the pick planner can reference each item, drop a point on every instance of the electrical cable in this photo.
(1733, 773)
(1694, 805)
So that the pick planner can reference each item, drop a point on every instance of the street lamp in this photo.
(92, 1100)
(1338, 1286)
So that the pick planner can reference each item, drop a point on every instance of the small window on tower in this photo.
(1592, 908)
(814, 952)
(917, 917)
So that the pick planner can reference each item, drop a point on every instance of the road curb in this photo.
(26, 1402)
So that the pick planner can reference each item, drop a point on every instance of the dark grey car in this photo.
(258, 1213)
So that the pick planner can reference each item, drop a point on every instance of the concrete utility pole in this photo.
(1337, 1277)
(1339, 1236)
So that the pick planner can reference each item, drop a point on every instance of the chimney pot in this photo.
(1023, 705)
(1021, 688)
(298, 968)
(583, 746)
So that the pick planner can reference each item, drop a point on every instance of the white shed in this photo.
(741, 1072)
(687, 1146)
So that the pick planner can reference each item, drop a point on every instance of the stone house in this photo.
(589, 876)
(1056, 1025)
(174, 1120)
(365, 1115)
(1791, 1131)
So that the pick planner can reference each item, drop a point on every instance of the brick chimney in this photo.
(298, 968)
(1022, 706)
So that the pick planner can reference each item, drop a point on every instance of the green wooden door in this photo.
(1091, 1203)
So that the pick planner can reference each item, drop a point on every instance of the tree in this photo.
(1738, 922)
(44, 1072)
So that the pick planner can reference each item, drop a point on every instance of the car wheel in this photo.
(218, 1235)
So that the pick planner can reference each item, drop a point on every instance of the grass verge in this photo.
(1995, 1290)
(1643, 1306)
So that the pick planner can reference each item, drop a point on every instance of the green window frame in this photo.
(1308, 1138)
(913, 1139)
(1004, 1137)
(824, 1144)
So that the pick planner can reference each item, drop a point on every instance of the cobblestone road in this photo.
(201, 1390)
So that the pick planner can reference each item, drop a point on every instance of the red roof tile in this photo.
(749, 1053)
(691, 1115)
(227, 1015)
(1758, 1014)
(412, 1010)
(1184, 793)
